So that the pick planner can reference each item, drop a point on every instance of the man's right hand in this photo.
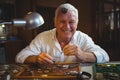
(44, 58)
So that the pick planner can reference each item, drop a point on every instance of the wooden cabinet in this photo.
(108, 26)
(108, 22)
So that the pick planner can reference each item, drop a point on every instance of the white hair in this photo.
(64, 8)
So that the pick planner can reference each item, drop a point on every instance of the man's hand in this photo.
(71, 49)
(44, 58)
(81, 56)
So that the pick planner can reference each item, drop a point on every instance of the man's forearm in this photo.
(86, 57)
(31, 59)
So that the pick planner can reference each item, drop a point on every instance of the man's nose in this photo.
(67, 25)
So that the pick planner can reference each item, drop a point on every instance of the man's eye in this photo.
(72, 22)
(62, 21)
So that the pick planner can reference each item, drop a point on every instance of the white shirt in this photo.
(47, 42)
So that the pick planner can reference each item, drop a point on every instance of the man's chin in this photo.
(67, 37)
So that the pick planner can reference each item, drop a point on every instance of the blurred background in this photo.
(100, 19)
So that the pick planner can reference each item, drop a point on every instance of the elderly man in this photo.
(63, 43)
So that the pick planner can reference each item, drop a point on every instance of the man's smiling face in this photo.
(66, 25)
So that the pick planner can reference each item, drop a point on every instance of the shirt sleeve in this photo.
(22, 55)
(90, 46)
(33, 49)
